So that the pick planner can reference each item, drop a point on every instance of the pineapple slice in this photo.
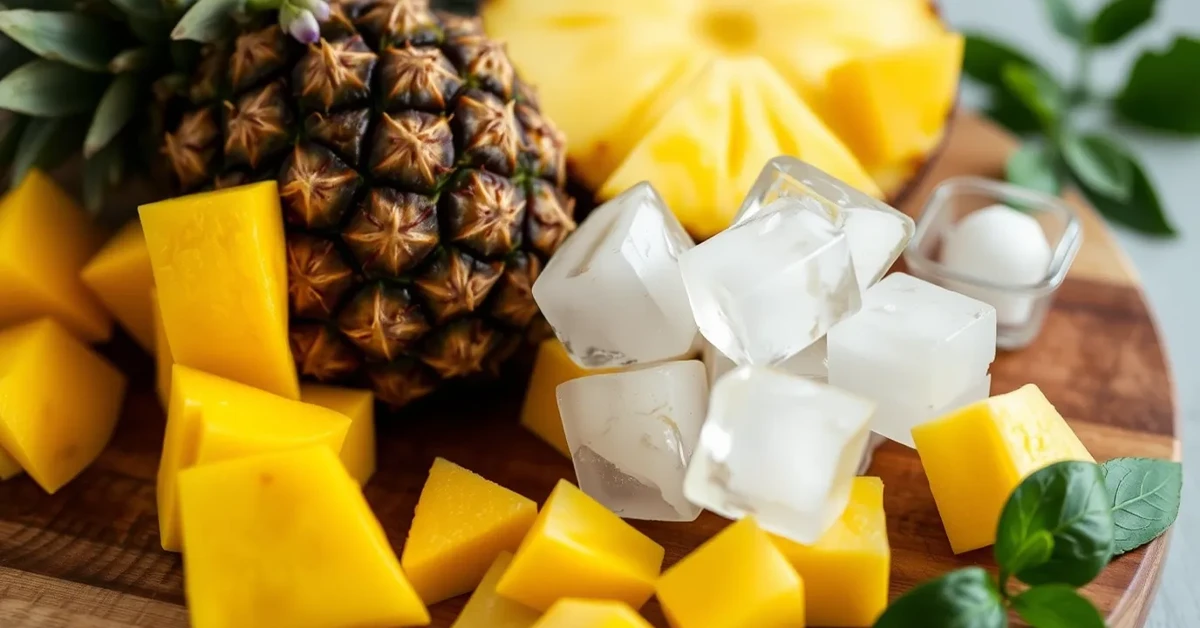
(651, 67)
(706, 151)
(121, 277)
(9, 467)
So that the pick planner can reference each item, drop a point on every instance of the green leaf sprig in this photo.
(1059, 529)
(1162, 93)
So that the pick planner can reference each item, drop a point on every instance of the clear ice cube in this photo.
(915, 349)
(612, 292)
(781, 448)
(877, 233)
(631, 435)
(767, 288)
(809, 363)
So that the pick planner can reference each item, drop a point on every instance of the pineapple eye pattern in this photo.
(422, 188)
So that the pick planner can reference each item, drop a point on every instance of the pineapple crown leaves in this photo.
(76, 73)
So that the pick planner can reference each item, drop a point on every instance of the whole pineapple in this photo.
(422, 188)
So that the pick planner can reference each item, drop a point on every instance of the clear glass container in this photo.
(1024, 306)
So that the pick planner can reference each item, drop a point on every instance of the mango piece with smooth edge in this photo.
(59, 402)
(358, 450)
(45, 241)
(976, 456)
(579, 548)
(462, 522)
(287, 540)
(163, 362)
(846, 572)
(736, 579)
(488, 609)
(121, 278)
(576, 613)
(539, 414)
(221, 276)
(211, 419)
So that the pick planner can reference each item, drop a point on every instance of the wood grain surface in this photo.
(89, 557)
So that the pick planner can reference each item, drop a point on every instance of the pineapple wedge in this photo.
(704, 88)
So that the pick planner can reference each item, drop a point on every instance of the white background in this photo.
(1168, 268)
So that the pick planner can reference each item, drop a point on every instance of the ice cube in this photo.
(781, 448)
(767, 288)
(612, 292)
(631, 435)
(873, 443)
(809, 363)
(915, 349)
(877, 233)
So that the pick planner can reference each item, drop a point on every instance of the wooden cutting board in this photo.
(89, 557)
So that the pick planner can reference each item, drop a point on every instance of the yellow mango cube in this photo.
(9, 467)
(579, 548)
(488, 609)
(287, 540)
(845, 573)
(210, 419)
(975, 456)
(221, 276)
(572, 613)
(737, 579)
(121, 277)
(894, 103)
(539, 414)
(45, 241)
(358, 450)
(163, 362)
(462, 522)
(59, 402)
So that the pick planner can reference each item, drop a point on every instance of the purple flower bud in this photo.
(319, 8)
(300, 23)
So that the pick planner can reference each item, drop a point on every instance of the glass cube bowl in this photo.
(1021, 309)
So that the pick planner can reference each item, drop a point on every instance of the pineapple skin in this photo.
(422, 188)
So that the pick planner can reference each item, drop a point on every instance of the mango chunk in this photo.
(163, 362)
(45, 241)
(9, 467)
(210, 419)
(572, 613)
(845, 573)
(59, 402)
(487, 609)
(221, 276)
(893, 104)
(737, 579)
(121, 277)
(287, 540)
(975, 457)
(578, 548)
(462, 522)
(358, 450)
(539, 414)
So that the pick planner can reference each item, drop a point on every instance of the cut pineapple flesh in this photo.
(695, 95)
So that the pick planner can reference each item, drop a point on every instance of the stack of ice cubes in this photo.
(804, 351)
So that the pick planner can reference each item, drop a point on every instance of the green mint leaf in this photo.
(1032, 166)
(1012, 114)
(1099, 163)
(984, 59)
(966, 597)
(1056, 606)
(1163, 91)
(1065, 20)
(72, 38)
(1118, 19)
(1037, 91)
(1067, 501)
(1142, 212)
(1145, 496)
